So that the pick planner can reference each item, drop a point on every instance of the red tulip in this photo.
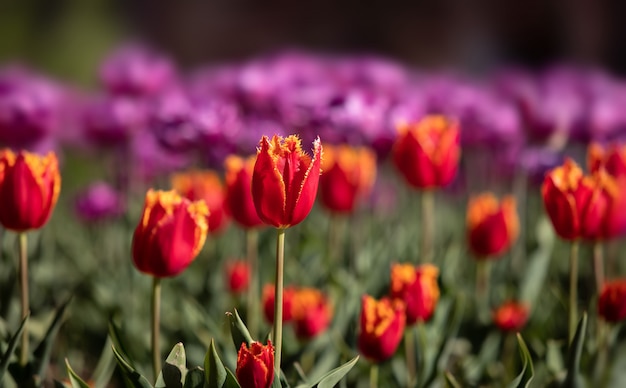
(417, 288)
(349, 174)
(206, 185)
(238, 191)
(238, 276)
(268, 303)
(427, 153)
(285, 180)
(612, 301)
(511, 316)
(255, 365)
(492, 226)
(311, 313)
(382, 328)
(170, 234)
(29, 189)
(613, 161)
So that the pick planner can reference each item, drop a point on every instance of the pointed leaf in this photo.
(451, 381)
(573, 379)
(133, 377)
(44, 349)
(174, 370)
(105, 367)
(528, 370)
(116, 337)
(238, 330)
(4, 364)
(215, 373)
(231, 380)
(75, 380)
(537, 269)
(334, 376)
(194, 378)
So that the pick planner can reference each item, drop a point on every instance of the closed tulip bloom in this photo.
(238, 191)
(255, 365)
(170, 234)
(492, 225)
(382, 327)
(311, 313)
(349, 174)
(511, 316)
(576, 204)
(29, 189)
(285, 180)
(417, 288)
(204, 185)
(612, 301)
(268, 303)
(427, 153)
(238, 276)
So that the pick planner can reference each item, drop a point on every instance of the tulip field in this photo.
(308, 220)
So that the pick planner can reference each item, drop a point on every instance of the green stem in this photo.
(252, 238)
(573, 289)
(156, 318)
(598, 265)
(278, 299)
(483, 275)
(23, 252)
(409, 351)
(428, 225)
(374, 376)
(508, 355)
(336, 232)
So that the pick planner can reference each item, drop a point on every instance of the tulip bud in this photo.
(511, 316)
(349, 174)
(311, 313)
(238, 191)
(427, 153)
(612, 301)
(238, 276)
(29, 189)
(285, 180)
(417, 288)
(170, 234)
(382, 328)
(492, 226)
(255, 365)
(268, 303)
(204, 185)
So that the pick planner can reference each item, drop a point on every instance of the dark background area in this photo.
(69, 38)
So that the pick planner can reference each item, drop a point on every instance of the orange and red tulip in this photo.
(382, 325)
(29, 188)
(238, 191)
(613, 161)
(492, 225)
(255, 365)
(511, 316)
(427, 153)
(285, 180)
(417, 288)
(170, 233)
(612, 301)
(311, 313)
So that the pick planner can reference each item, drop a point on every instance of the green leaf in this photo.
(231, 380)
(528, 370)
(75, 380)
(44, 349)
(105, 367)
(238, 330)
(4, 364)
(573, 379)
(451, 381)
(174, 370)
(118, 344)
(538, 263)
(334, 376)
(194, 378)
(134, 378)
(215, 373)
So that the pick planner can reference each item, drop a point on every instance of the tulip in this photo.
(349, 174)
(511, 316)
(417, 288)
(285, 180)
(255, 365)
(238, 191)
(204, 185)
(492, 226)
(311, 313)
(427, 153)
(381, 328)
(268, 299)
(612, 301)
(238, 276)
(612, 159)
(170, 234)
(29, 189)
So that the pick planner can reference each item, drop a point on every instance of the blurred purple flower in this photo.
(375, 73)
(112, 121)
(30, 107)
(99, 202)
(172, 119)
(151, 159)
(219, 124)
(137, 71)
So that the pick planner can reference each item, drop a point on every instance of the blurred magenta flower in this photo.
(151, 159)
(113, 120)
(172, 119)
(137, 71)
(99, 201)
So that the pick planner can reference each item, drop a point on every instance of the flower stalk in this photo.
(156, 319)
(252, 238)
(278, 300)
(428, 225)
(573, 289)
(23, 253)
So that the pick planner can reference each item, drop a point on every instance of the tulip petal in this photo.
(308, 179)
(268, 187)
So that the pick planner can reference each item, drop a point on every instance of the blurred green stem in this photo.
(508, 355)
(278, 299)
(252, 242)
(374, 376)
(156, 318)
(23, 252)
(409, 349)
(573, 290)
(483, 275)
(428, 225)
(336, 232)
(598, 265)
